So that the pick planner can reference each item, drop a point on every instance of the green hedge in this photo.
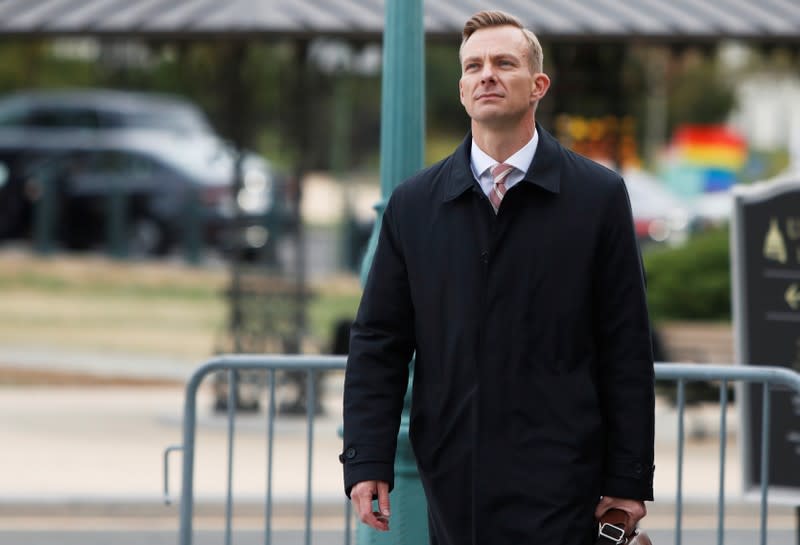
(691, 282)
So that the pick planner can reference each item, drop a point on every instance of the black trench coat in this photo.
(533, 379)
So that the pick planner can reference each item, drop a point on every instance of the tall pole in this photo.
(402, 104)
(402, 154)
(656, 104)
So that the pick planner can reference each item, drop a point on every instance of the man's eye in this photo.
(470, 66)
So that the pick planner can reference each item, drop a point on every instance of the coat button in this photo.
(350, 453)
(637, 469)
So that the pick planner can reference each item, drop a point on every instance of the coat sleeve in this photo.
(381, 346)
(625, 360)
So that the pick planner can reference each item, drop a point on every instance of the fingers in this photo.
(383, 499)
(361, 495)
(602, 507)
(634, 509)
(636, 513)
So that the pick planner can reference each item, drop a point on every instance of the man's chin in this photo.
(494, 119)
(497, 118)
(487, 112)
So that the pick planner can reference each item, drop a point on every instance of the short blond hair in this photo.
(491, 18)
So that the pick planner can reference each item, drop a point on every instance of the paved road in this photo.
(296, 537)
(732, 537)
(160, 537)
(205, 537)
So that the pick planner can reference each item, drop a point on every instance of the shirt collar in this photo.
(545, 172)
(480, 161)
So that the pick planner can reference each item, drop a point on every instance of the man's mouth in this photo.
(488, 95)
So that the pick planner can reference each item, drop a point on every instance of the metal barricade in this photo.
(233, 365)
(768, 377)
(680, 373)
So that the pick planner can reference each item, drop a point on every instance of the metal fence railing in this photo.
(680, 373)
(233, 365)
(768, 377)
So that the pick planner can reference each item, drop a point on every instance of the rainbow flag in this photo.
(704, 158)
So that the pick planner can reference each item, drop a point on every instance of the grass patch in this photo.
(325, 311)
(102, 276)
(95, 304)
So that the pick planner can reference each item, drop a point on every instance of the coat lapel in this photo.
(544, 170)
(460, 178)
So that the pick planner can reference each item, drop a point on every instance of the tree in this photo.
(698, 93)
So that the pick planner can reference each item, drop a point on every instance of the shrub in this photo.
(691, 282)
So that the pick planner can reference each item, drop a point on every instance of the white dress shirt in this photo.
(482, 164)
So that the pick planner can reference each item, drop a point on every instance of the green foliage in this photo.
(691, 282)
(440, 145)
(699, 94)
(31, 64)
(202, 71)
(442, 74)
(763, 164)
(325, 310)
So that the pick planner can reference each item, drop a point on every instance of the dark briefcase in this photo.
(612, 530)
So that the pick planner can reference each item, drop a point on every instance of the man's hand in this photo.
(362, 494)
(634, 508)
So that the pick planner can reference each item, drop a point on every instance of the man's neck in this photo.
(500, 143)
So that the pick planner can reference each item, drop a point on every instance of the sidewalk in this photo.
(97, 452)
(95, 443)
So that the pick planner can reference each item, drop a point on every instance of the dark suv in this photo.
(158, 153)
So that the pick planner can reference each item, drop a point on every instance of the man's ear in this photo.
(461, 91)
(541, 83)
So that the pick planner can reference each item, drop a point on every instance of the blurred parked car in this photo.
(659, 216)
(14, 214)
(158, 152)
(48, 113)
(166, 185)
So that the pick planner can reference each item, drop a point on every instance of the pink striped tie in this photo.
(499, 173)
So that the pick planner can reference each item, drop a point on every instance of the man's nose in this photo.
(487, 73)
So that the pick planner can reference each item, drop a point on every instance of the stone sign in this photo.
(765, 262)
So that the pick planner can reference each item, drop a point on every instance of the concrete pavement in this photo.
(91, 457)
(74, 442)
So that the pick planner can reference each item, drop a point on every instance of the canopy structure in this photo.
(662, 20)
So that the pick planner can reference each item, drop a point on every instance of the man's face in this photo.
(497, 86)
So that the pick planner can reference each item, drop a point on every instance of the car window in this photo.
(110, 120)
(125, 164)
(164, 118)
(12, 115)
(82, 118)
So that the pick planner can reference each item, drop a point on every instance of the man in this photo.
(511, 269)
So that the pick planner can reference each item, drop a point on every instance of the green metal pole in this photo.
(116, 220)
(402, 154)
(402, 104)
(192, 227)
(44, 213)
